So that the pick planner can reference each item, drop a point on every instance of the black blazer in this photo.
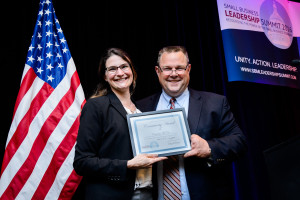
(103, 149)
(209, 116)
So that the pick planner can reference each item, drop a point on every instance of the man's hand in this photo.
(200, 147)
(144, 161)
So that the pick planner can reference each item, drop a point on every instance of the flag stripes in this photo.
(26, 84)
(30, 121)
(40, 141)
(21, 175)
(23, 126)
(70, 186)
(61, 178)
(56, 162)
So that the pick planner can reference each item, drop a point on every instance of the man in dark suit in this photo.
(216, 140)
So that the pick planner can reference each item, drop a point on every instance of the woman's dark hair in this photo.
(103, 86)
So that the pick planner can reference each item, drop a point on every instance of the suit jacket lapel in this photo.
(195, 106)
(153, 102)
(116, 103)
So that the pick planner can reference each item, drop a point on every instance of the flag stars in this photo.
(47, 2)
(50, 67)
(40, 59)
(58, 55)
(60, 65)
(40, 23)
(31, 47)
(39, 35)
(30, 59)
(39, 70)
(62, 40)
(49, 55)
(47, 12)
(49, 44)
(50, 78)
(39, 47)
(48, 33)
(48, 23)
(65, 50)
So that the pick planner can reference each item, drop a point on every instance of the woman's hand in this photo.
(144, 161)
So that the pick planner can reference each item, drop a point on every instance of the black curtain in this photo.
(268, 115)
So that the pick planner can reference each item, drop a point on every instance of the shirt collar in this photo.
(179, 100)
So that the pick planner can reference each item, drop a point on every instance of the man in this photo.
(216, 140)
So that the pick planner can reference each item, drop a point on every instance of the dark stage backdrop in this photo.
(268, 115)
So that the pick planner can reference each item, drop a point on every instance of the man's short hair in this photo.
(171, 49)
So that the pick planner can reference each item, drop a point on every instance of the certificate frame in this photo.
(163, 132)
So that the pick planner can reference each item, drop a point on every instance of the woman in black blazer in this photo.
(103, 153)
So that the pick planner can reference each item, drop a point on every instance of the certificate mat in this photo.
(164, 132)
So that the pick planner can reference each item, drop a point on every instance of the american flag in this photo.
(39, 150)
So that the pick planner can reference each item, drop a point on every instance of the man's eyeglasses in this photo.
(169, 70)
(114, 69)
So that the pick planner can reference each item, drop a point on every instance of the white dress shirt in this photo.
(164, 103)
(143, 177)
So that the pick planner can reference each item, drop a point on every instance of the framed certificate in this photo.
(164, 132)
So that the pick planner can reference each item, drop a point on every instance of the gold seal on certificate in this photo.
(164, 132)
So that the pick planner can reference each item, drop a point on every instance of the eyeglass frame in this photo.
(184, 69)
(127, 67)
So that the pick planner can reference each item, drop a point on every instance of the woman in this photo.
(103, 153)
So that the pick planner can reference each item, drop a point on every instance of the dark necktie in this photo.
(171, 176)
(172, 102)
